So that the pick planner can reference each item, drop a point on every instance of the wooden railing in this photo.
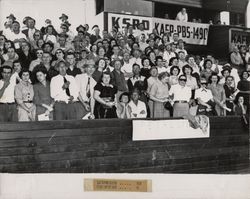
(107, 146)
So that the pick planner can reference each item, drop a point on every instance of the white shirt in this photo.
(82, 81)
(161, 70)
(51, 38)
(204, 94)
(143, 46)
(31, 33)
(180, 93)
(58, 93)
(137, 109)
(8, 94)
(12, 36)
(182, 17)
(127, 68)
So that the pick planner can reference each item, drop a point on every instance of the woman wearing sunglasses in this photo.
(37, 61)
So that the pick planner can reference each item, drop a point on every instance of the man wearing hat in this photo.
(8, 24)
(86, 84)
(31, 29)
(16, 34)
(65, 30)
(94, 37)
(63, 18)
(80, 28)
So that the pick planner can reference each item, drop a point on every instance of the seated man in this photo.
(136, 108)
(65, 92)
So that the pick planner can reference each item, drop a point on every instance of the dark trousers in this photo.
(8, 112)
(70, 111)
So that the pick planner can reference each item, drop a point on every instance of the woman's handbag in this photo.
(168, 106)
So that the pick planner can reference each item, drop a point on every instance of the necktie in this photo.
(88, 88)
(67, 89)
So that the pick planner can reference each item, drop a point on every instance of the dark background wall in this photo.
(107, 146)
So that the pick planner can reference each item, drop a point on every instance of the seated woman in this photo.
(104, 94)
(240, 108)
(136, 108)
(24, 94)
(122, 105)
(42, 99)
(159, 94)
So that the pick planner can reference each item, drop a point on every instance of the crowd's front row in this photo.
(66, 97)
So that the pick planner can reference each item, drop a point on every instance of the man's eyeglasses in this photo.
(39, 53)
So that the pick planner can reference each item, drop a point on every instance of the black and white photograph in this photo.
(124, 98)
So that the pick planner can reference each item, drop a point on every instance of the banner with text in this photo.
(191, 33)
(170, 129)
(239, 37)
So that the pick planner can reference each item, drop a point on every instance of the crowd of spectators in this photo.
(49, 74)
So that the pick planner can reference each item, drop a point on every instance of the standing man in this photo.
(8, 110)
(86, 84)
(181, 96)
(182, 15)
(65, 92)
(31, 29)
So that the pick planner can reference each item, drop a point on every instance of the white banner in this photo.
(191, 33)
(167, 129)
